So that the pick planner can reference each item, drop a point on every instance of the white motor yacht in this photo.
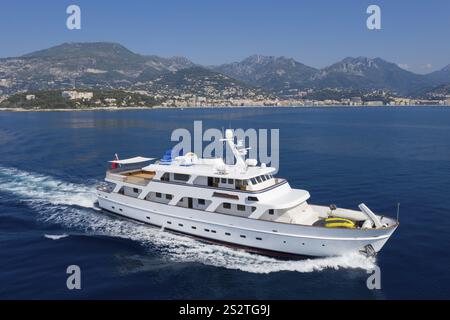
(242, 205)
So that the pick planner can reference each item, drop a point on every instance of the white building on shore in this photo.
(75, 95)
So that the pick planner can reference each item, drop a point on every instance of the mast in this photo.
(238, 151)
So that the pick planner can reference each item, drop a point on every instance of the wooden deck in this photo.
(141, 174)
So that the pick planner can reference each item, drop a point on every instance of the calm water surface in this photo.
(51, 162)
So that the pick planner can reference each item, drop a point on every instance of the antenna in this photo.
(398, 211)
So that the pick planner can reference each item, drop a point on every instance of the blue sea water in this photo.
(50, 163)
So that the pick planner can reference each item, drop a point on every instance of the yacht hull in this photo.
(251, 234)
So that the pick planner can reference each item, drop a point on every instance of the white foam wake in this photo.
(34, 187)
(55, 236)
(59, 202)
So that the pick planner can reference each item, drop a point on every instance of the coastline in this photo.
(206, 107)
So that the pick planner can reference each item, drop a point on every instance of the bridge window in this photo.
(253, 180)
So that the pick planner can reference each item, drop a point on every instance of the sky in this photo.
(414, 34)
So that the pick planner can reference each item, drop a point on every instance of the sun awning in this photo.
(132, 160)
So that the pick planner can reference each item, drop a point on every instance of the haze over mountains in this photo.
(111, 65)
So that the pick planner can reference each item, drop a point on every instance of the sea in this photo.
(51, 162)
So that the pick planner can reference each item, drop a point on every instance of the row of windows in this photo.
(228, 181)
(209, 230)
(261, 178)
(226, 205)
(240, 207)
(170, 197)
(159, 195)
(185, 178)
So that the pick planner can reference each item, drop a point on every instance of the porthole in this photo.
(168, 222)
(207, 230)
(227, 234)
(243, 236)
(193, 227)
(180, 224)
(257, 238)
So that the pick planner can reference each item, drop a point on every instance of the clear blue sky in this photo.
(415, 34)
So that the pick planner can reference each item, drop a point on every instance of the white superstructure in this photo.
(241, 204)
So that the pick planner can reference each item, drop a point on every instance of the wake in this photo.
(71, 205)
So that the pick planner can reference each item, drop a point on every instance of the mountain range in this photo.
(285, 74)
(111, 65)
